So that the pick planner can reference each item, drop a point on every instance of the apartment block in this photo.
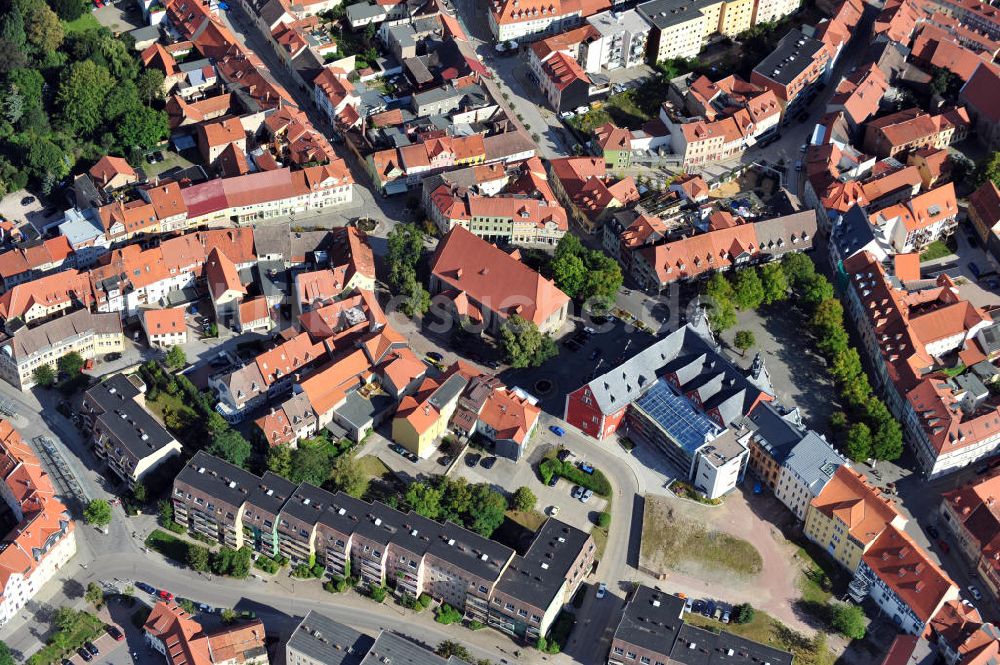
(972, 516)
(621, 40)
(379, 543)
(519, 19)
(793, 70)
(90, 335)
(41, 537)
(848, 516)
(124, 434)
(912, 129)
(180, 638)
(652, 631)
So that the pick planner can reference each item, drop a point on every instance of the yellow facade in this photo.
(422, 444)
(711, 24)
(736, 17)
(831, 534)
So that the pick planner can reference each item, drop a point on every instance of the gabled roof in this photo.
(164, 321)
(910, 573)
(499, 282)
(861, 507)
(108, 167)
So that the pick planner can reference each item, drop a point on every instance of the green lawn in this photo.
(670, 541)
(936, 250)
(165, 403)
(530, 519)
(168, 545)
(87, 628)
(813, 581)
(85, 22)
(372, 466)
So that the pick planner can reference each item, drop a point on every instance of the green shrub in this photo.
(377, 592)
(475, 625)
(447, 614)
(596, 481)
(604, 520)
(424, 601)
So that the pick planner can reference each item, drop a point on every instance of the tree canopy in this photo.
(98, 513)
(524, 345)
(585, 274)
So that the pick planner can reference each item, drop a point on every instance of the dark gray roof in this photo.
(364, 10)
(852, 232)
(392, 648)
(359, 410)
(652, 620)
(270, 493)
(774, 433)
(326, 641)
(449, 390)
(787, 233)
(697, 646)
(273, 239)
(538, 576)
(792, 56)
(665, 13)
(218, 478)
(129, 422)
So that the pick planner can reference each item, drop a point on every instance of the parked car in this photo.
(553, 480)
(725, 617)
(488, 462)
(688, 604)
(445, 460)
(698, 606)
(577, 492)
(717, 614)
(472, 459)
(587, 494)
(933, 532)
(586, 468)
(142, 586)
(85, 654)
(114, 633)
(165, 595)
(975, 592)
(92, 648)
(553, 511)
(435, 356)
(709, 608)
(27, 200)
(111, 357)
(974, 269)
(602, 590)
(555, 429)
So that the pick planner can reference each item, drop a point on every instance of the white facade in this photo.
(717, 474)
(622, 40)
(20, 589)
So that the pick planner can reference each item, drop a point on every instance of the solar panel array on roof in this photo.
(675, 414)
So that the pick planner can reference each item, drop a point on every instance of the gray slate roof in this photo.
(326, 641)
(538, 576)
(30, 341)
(814, 461)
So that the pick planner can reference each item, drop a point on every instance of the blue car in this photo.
(586, 468)
(558, 431)
(142, 586)
(223, 6)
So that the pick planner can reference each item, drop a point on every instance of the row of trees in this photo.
(227, 561)
(478, 507)
(69, 97)
(318, 462)
(870, 431)
(405, 249)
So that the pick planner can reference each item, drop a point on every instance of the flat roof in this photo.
(677, 416)
(665, 13)
(324, 640)
(792, 56)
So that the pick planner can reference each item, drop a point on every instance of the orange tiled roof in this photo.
(164, 321)
(861, 507)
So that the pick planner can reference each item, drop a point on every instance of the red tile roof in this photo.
(164, 321)
(492, 278)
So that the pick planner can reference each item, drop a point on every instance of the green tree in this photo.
(604, 520)
(570, 274)
(44, 158)
(798, 268)
(98, 513)
(748, 290)
(772, 277)
(12, 27)
(166, 511)
(94, 595)
(405, 245)
(743, 613)
(523, 499)
(149, 85)
(887, 436)
(348, 477)
(859, 442)
(279, 461)
(838, 420)
(849, 621)
(816, 289)
(722, 315)
(230, 446)
(718, 287)
(139, 493)
(82, 92)
(197, 558)
(67, 10)
(228, 615)
(416, 298)
(744, 340)
(43, 28)
(71, 363)
(142, 127)
(487, 513)
(424, 499)
(449, 648)
(945, 82)
(6, 657)
(989, 169)
(310, 464)
(176, 358)
(43, 376)
(523, 344)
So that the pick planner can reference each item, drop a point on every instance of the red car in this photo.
(166, 595)
(944, 546)
(115, 633)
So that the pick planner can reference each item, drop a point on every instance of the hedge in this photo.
(596, 481)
